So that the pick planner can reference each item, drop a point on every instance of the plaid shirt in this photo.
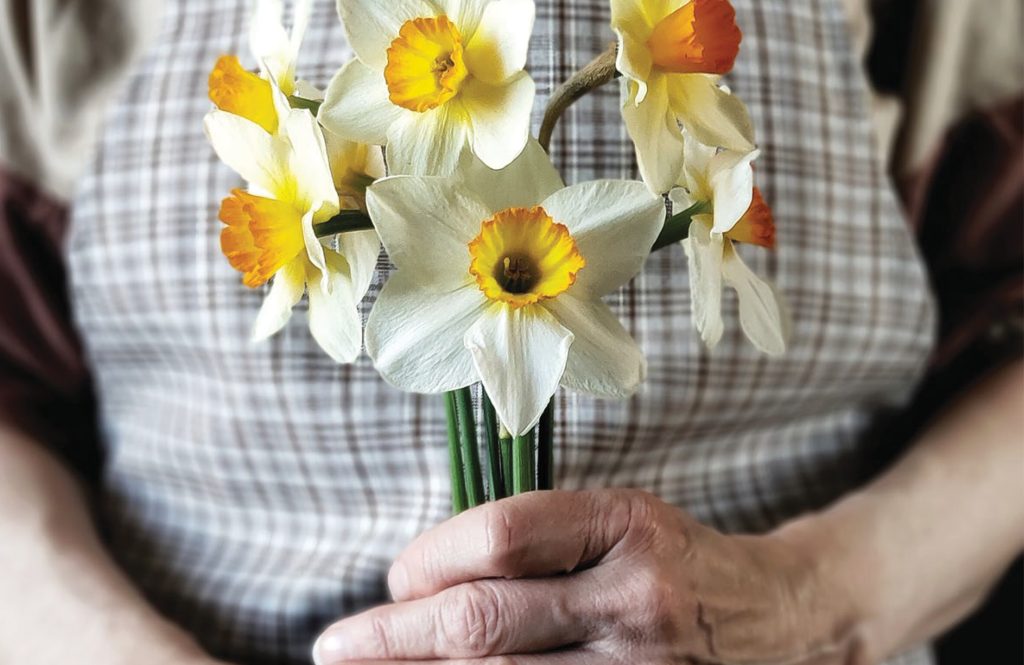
(257, 492)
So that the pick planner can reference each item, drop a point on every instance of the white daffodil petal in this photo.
(466, 14)
(520, 355)
(333, 317)
(604, 360)
(300, 22)
(732, 180)
(357, 106)
(286, 290)
(260, 158)
(614, 224)
(361, 249)
(528, 180)
(696, 167)
(500, 118)
(761, 316)
(308, 163)
(427, 143)
(713, 116)
(704, 253)
(315, 251)
(371, 25)
(426, 225)
(498, 49)
(681, 200)
(659, 142)
(415, 337)
(633, 59)
(269, 42)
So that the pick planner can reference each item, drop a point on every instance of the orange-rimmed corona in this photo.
(756, 226)
(426, 65)
(701, 37)
(261, 236)
(238, 91)
(522, 256)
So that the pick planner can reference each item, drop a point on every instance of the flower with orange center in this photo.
(672, 55)
(235, 90)
(431, 77)
(723, 182)
(500, 278)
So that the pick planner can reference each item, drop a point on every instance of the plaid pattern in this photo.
(258, 492)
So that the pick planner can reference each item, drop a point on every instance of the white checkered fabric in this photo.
(257, 492)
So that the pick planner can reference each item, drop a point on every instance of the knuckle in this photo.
(503, 555)
(471, 621)
(658, 607)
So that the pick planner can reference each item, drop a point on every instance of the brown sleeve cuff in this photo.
(45, 388)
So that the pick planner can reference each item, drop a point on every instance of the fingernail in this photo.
(398, 581)
(327, 649)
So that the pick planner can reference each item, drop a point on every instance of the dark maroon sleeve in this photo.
(45, 389)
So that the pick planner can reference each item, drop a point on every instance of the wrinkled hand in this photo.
(604, 577)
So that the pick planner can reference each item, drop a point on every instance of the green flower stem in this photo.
(601, 70)
(345, 221)
(468, 446)
(677, 227)
(455, 456)
(505, 447)
(311, 105)
(523, 469)
(494, 466)
(546, 448)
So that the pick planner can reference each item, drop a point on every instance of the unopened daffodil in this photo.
(499, 279)
(722, 183)
(671, 54)
(432, 76)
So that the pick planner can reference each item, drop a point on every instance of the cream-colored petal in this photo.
(309, 164)
(269, 42)
(260, 158)
(427, 143)
(415, 337)
(357, 106)
(614, 224)
(426, 224)
(315, 251)
(500, 118)
(520, 355)
(361, 249)
(681, 200)
(497, 51)
(704, 252)
(334, 319)
(712, 115)
(285, 291)
(633, 61)
(762, 316)
(604, 360)
(656, 135)
(528, 180)
(371, 25)
(697, 167)
(732, 180)
(466, 14)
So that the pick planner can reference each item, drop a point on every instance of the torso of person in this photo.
(257, 492)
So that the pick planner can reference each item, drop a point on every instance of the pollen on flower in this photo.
(522, 256)
(699, 37)
(425, 66)
(240, 92)
(261, 235)
(757, 226)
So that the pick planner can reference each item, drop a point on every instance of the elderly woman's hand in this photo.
(603, 577)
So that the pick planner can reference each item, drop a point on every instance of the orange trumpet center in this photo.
(699, 37)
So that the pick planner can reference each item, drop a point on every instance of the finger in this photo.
(473, 620)
(530, 535)
(568, 657)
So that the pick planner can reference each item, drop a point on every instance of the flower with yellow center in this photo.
(724, 183)
(432, 76)
(500, 278)
(672, 54)
(268, 230)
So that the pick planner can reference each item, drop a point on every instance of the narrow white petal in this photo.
(497, 51)
(285, 291)
(500, 118)
(371, 25)
(361, 249)
(528, 180)
(260, 158)
(520, 355)
(712, 115)
(315, 251)
(269, 42)
(697, 166)
(333, 317)
(300, 22)
(415, 337)
(659, 142)
(604, 360)
(761, 315)
(633, 60)
(357, 106)
(614, 224)
(427, 143)
(732, 180)
(704, 253)
(426, 225)
(466, 14)
(681, 200)
(308, 163)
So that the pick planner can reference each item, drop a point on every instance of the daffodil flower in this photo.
(269, 228)
(433, 76)
(499, 279)
(723, 182)
(671, 55)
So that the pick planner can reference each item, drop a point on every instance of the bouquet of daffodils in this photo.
(422, 143)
